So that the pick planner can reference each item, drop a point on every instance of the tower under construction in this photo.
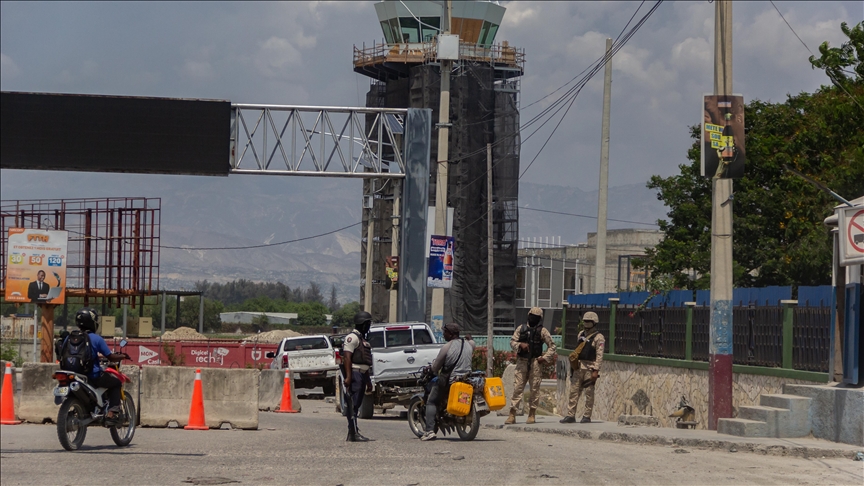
(405, 72)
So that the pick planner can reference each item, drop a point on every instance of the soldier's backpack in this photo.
(76, 354)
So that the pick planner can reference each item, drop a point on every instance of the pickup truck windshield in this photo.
(388, 338)
(303, 344)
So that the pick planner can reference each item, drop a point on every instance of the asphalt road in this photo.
(310, 448)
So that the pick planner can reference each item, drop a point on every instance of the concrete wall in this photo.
(836, 413)
(270, 390)
(635, 389)
(36, 401)
(230, 395)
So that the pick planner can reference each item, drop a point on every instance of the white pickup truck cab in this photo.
(399, 350)
(312, 359)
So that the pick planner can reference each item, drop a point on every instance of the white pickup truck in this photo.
(312, 359)
(399, 350)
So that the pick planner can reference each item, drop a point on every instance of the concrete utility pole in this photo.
(162, 326)
(442, 168)
(720, 342)
(600, 263)
(490, 288)
(394, 251)
(200, 314)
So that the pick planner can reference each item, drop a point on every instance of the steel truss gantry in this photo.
(317, 141)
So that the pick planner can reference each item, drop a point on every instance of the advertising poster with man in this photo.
(36, 269)
(723, 136)
(440, 262)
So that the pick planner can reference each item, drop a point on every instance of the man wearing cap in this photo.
(527, 342)
(585, 376)
(453, 359)
(357, 362)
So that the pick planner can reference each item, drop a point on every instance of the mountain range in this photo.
(240, 211)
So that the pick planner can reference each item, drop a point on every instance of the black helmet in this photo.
(86, 319)
(361, 318)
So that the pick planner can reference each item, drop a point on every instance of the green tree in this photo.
(344, 317)
(779, 236)
(835, 60)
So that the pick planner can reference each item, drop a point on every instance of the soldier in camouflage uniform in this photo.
(527, 342)
(584, 378)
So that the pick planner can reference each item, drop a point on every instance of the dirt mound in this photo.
(183, 334)
(272, 337)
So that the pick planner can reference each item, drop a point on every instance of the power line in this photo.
(830, 76)
(260, 246)
(585, 216)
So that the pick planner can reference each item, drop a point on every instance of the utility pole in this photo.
(720, 342)
(370, 236)
(394, 250)
(442, 167)
(600, 263)
(490, 287)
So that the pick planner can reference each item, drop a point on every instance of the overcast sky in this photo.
(301, 53)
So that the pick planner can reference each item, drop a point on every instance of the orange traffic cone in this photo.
(7, 407)
(285, 406)
(196, 411)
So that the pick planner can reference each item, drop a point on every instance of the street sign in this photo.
(852, 236)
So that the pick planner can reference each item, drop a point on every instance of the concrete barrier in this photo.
(36, 403)
(230, 395)
(270, 390)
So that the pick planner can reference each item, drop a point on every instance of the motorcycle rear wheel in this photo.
(469, 429)
(69, 429)
(122, 433)
(417, 417)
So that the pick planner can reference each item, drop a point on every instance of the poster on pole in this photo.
(36, 270)
(440, 262)
(723, 153)
(851, 236)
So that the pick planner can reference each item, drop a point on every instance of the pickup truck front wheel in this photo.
(367, 407)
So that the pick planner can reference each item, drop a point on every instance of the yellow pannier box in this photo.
(494, 393)
(459, 401)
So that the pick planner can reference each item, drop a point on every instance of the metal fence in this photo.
(811, 338)
(757, 334)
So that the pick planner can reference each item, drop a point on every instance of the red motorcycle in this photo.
(82, 405)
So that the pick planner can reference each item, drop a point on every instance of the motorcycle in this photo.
(82, 405)
(466, 427)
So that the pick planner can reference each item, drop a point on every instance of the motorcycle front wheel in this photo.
(417, 417)
(468, 429)
(69, 429)
(123, 432)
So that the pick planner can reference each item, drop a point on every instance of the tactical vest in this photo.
(362, 355)
(589, 352)
(534, 337)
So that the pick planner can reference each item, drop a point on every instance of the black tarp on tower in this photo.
(483, 110)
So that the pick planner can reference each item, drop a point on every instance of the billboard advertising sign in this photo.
(36, 269)
(440, 262)
(723, 136)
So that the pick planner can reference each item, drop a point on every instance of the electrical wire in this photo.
(262, 245)
(830, 76)
(586, 216)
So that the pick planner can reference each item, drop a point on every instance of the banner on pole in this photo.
(440, 262)
(723, 153)
(36, 270)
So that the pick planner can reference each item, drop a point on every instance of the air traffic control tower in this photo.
(484, 108)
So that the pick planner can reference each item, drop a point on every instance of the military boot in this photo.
(511, 419)
(531, 414)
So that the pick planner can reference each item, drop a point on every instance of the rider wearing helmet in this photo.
(86, 320)
(357, 361)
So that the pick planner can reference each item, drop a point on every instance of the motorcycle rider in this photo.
(86, 320)
(453, 359)
(357, 361)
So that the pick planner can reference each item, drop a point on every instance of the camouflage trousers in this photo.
(576, 379)
(522, 376)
